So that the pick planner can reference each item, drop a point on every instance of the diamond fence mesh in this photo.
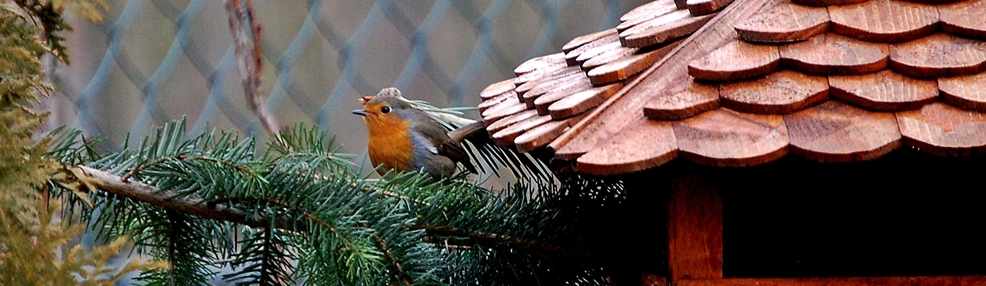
(152, 61)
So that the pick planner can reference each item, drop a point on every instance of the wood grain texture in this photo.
(490, 102)
(726, 138)
(781, 92)
(824, 3)
(510, 120)
(964, 18)
(645, 12)
(837, 132)
(965, 92)
(580, 41)
(640, 147)
(736, 60)
(829, 53)
(887, 21)
(939, 55)
(572, 55)
(884, 90)
(608, 57)
(626, 67)
(659, 21)
(683, 101)
(497, 89)
(840, 281)
(540, 136)
(533, 81)
(944, 130)
(541, 103)
(509, 107)
(664, 33)
(546, 62)
(695, 224)
(570, 83)
(705, 7)
(593, 51)
(623, 109)
(581, 102)
(611, 47)
(783, 23)
(506, 136)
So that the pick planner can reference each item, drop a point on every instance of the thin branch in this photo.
(493, 238)
(96, 179)
(246, 45)
(393, 260)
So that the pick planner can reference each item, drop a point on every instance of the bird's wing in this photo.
(444, 145)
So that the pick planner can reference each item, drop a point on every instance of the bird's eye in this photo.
(385, 109)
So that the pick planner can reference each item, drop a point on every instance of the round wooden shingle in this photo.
(939, 55)
(572, 81)
(885, 90)
(781, 92)
(533, 81)
(785, 22)
(541, 135)
(639, 147)
(736, 60)
(944, 130)
(705, 7)
(659, 21)
(510, 120)
(966, 92)
(645, 12)
(690, 99)
(625, 67)
(506, 136)
(887, 21)
(964, 18)
(727, 138)
(823, 3)
(491, 102)
(837, 132)
(502, 110)
(829, 53)
(541, 103)
(583, 101)
(662, 34)
(588, 54)
(497, 89)
(581, 41)
(546, 62)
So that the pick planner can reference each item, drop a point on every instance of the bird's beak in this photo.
(360, 112)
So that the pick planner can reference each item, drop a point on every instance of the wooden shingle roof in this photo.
(828, 80)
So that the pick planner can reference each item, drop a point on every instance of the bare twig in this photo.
(246, 44)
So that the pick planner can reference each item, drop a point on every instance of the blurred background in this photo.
(152, 61)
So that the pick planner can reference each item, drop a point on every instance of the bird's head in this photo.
(385, 112)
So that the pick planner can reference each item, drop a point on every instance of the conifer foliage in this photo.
(34, 244)
(290, 211)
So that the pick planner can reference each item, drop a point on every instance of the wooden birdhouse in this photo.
(791, 142)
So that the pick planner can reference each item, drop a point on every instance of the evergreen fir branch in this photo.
(181, 240)
(263, 259)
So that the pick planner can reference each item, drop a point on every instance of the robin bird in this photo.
(403, 138)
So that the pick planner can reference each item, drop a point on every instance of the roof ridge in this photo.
(722, 27)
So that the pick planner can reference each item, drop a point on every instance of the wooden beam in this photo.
(695, 229)
(860, 281)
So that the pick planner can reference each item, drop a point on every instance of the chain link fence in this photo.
(152, 61)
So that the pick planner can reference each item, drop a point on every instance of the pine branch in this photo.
(96, 179)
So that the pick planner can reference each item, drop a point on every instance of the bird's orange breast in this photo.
(389, 143)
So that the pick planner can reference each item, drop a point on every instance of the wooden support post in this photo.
(695, 229)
